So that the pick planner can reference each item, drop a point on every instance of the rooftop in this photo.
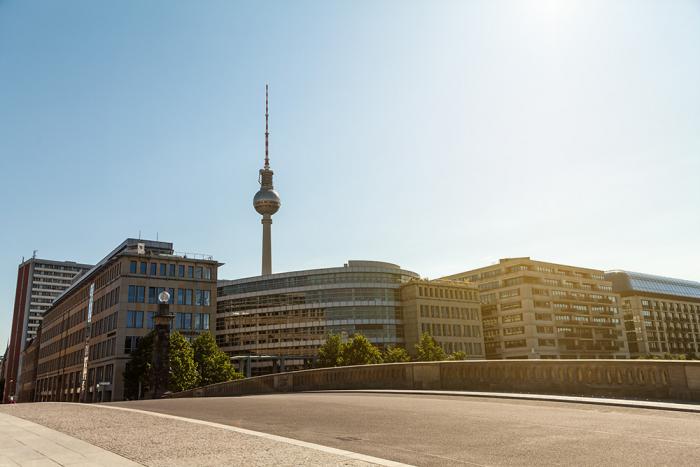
(627, 281)
(350, 266)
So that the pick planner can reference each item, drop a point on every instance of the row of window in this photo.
(431, 311)
(50, 388)
(451, 330)
(440, 292)
(103, 349)
(137, 294)
(170, 270)
(184, 321)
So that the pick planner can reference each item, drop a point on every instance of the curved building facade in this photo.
(289, 314)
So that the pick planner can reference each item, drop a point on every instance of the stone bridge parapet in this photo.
(637, 379)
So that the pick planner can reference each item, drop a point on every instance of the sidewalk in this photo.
(25, 443)
(152, 439)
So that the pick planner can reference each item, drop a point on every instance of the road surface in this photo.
(448, 430)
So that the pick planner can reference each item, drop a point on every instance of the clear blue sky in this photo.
(440, 135)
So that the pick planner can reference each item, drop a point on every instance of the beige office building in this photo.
(447, 310)
(534, 309)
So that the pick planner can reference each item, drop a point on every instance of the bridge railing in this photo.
(639, 379)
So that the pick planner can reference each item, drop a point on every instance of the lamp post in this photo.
(161, 358)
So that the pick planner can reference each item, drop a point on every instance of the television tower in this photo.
(266, 200)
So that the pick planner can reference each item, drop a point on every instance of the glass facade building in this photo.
(661, 314)
(290, 314)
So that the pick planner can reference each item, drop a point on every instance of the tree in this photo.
(183, 370)
(138, 369)
(428, 349)
(213, 365)
(458, 355)
(360, 351)
(396, 354)
(329, 354)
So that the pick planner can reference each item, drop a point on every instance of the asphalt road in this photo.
(445, 430)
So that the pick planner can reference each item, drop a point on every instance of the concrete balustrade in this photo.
(640, 379)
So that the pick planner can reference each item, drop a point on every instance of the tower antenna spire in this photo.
(267, 131)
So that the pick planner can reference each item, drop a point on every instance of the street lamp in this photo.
(161, 341)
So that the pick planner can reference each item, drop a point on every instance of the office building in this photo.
(39, 282)
(534, 309)
(447, 310)
(284, 318)
(92, 327)
(661, 314)
(290, 314)
(27, 372)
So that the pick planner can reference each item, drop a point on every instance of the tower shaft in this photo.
(267, 245)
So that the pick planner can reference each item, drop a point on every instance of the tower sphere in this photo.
(266, 201)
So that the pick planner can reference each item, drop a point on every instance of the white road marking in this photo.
(260, 434)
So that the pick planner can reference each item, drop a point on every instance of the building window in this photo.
(163, 269)
(198, 272)
(154, 269)
(171, 291)
(512, 318)
(184, 321)
(149, 319)
(198, 297)
(131, 343)
(132, 267)
(509, 293)
(136, 294)
(152, 295)
(190, 272)
(171, 270)
(144, 267)
(201, 321)
(513, 331)
(134, 319)
(180, 296)
(207, 273)
(188, 296)
(181, 270)
(206, 297)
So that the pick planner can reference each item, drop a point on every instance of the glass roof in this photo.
(658, 284)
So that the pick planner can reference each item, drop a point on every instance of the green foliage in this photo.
(213, 365)
(360, 351)
(330, 353)
(396, 354)
(138, 369)
(429, 350)
(183, 370)
(357, 351)
(459, 355)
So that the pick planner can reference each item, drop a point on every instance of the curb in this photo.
(636, 404)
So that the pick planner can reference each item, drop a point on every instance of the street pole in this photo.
(161, 358)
